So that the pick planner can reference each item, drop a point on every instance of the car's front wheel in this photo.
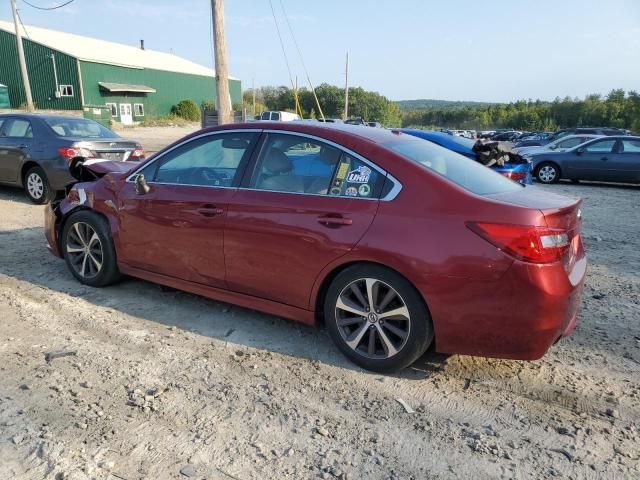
(548, 172)
(377, 318)
(88, 249)
(37, 186)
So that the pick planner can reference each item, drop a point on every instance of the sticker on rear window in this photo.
(364, 190)
(359, 175)
(342, 171)
(351, 192)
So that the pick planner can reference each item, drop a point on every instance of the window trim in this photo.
(62, 88)
(393, 193)
(112, 107)
(141, 105)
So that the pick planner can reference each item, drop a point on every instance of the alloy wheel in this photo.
(84, 250)
(372, 318)
(35, 185)
(547, 174)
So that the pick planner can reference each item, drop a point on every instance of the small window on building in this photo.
(66, 90)
(113, 108)
(138, 109)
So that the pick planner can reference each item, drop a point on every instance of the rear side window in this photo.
(468, 174)
(631, 146)
(18, 128)
(355, 178)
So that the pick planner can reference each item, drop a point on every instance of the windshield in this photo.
(457, 168)
(79, 128)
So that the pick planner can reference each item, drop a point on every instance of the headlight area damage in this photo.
(80, 193)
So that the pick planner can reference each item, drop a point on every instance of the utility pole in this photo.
(253, 92)
(223, 100)
(346, 89)
(23, 64)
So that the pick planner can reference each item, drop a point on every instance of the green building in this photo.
(71, 72)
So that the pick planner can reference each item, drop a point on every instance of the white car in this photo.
(278, 116)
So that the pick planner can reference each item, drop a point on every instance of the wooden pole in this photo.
(346, 89)
(23, 63)
(223, 98)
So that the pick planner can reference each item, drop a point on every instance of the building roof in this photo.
(111, 53)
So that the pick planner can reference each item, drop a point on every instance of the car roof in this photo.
(322, 129)
(44, 116)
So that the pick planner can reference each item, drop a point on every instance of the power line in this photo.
(313, 90)
(48, 8)
(286, 60)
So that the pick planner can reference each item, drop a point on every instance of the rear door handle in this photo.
(334, 221)
(604, 159)
(210, 211)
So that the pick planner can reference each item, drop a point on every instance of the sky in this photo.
(491, 50)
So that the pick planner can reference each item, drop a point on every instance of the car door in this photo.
(589, 162)
(176, 228)
(302, 205)
(16, 141)
(624, 165)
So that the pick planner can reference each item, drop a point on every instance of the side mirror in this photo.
(580, 151)
(141, 185)
(553, 147)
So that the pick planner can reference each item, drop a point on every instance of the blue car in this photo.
(520, 172)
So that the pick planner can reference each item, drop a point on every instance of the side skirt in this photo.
(240, 299)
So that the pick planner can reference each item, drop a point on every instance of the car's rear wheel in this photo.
(36, 186)
(548, 172)
(377, 318)
(88, 249)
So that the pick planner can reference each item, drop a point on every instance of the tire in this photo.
(36, 186)
(398, 340)
(88, 249)
(548, 172)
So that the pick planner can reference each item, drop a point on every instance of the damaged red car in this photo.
(393, 242)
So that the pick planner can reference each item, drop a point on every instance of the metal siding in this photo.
(170, 87)
(41, 77)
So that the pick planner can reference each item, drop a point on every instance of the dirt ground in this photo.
(166, 384)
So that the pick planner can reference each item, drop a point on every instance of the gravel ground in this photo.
(164, 384)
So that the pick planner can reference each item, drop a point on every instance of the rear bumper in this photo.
(518, 317)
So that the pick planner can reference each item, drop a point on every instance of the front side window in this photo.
(18, 128)
(603, 146)
(293, 164)
(265, 116)
(570, 142)
(211, 161)
(457, 168)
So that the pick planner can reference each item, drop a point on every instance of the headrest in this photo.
(277, 162)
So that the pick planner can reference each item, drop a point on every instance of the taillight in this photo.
(138, 153)
(524, 242)
(516, 176)
(73, 152)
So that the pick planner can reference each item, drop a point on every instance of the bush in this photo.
(187, 109)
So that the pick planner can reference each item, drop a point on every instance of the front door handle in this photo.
(210, 211)
(604, 159)
(22, 147)
(334, 221)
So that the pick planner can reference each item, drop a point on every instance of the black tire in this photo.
(416, 326)
(548, 172)
(36, 186)
(100, 267)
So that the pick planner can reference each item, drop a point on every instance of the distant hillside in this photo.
(429, 104)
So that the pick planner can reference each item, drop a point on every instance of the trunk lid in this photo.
(117, 150)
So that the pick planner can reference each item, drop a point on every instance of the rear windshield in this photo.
(79, 128)
(457, 168)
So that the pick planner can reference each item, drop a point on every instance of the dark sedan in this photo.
(35, 150)
(393, 241)
(605, 159)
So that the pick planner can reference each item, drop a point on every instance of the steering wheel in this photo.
(208, 176)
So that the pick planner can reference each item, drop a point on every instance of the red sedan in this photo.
(394, 242)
